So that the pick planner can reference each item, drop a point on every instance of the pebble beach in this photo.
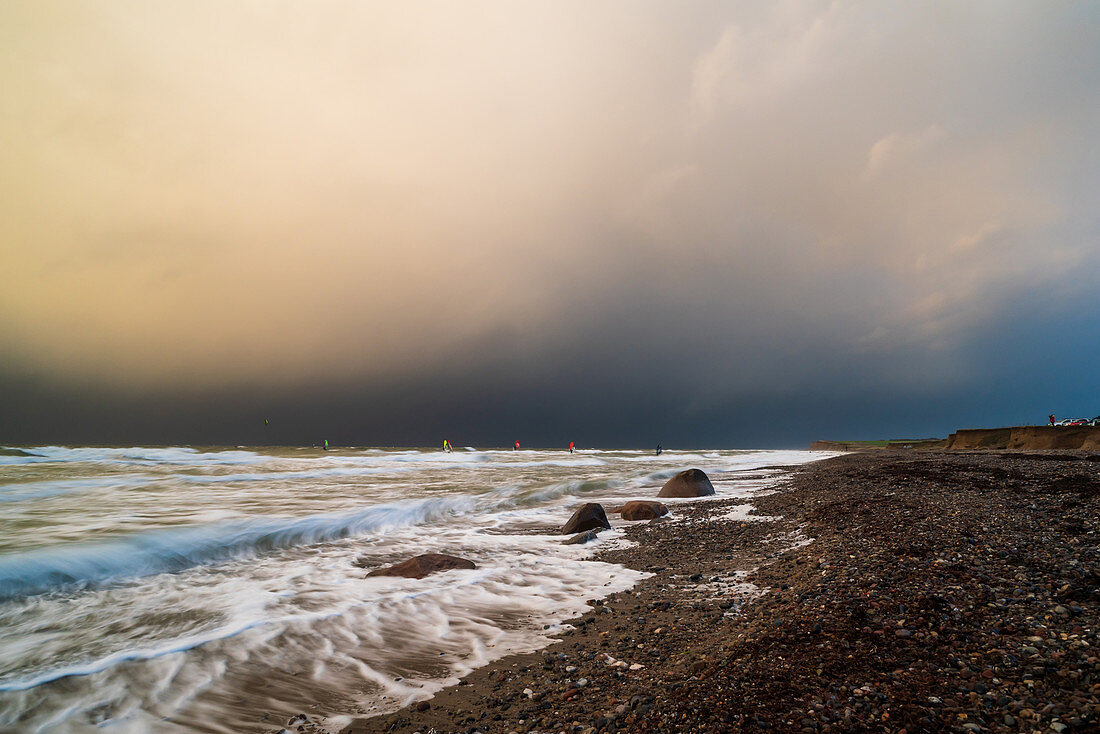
(882, 591)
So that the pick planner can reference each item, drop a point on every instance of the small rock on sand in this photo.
(421, 566)
(688, 483)
(582, 538)
(589, 516)
(643, 510)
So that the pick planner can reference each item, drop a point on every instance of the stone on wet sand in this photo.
(421, 566)
(582, 538)
(642, 510)
(688, 483)
(590, 516)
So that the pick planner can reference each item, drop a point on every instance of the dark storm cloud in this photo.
(749, 224)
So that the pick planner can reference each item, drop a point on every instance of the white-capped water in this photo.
(173, 589)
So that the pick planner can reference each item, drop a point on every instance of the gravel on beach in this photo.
(892, 591)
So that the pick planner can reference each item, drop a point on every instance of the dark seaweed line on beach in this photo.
(940, 592)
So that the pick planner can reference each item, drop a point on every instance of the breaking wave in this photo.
(177, 549)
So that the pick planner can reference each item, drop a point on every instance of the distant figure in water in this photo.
(447, 446)
(659, 449)
(267, 422)
(515, 446)
(326, 444)
(1051, 416)
(571, 446)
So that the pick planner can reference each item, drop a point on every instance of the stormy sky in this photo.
(708, 224)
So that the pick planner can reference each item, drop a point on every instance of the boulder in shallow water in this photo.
(582, 538)
(421, 566)
(688, 483)
(643, 510)
(589, 516)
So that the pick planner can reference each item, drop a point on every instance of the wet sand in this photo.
(913, 592)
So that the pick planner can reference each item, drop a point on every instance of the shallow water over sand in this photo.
(172, 589)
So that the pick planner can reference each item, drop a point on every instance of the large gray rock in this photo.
(688, 483)
(589, 516)
(643, 510)
(421, 566)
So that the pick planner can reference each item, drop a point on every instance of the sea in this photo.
(225, 589)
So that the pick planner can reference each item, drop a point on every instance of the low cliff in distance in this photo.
(1035, 438)
(1031, 438)
(901, 443)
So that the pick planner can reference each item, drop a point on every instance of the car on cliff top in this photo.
(1072, 422)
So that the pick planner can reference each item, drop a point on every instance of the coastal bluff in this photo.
(1034, 438)
(925, 444)
(1027, 438)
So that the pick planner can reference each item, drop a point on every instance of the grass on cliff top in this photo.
(891, 442)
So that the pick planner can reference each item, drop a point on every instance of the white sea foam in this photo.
(132, 455)
(22, 491)
(164, 582)
(292, 476)
(742, 513)
(167, 550)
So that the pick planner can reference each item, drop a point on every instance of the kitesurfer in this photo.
(659, 449)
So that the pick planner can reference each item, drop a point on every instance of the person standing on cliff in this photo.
(1051, 416)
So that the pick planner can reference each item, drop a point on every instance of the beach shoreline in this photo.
(931, 592)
